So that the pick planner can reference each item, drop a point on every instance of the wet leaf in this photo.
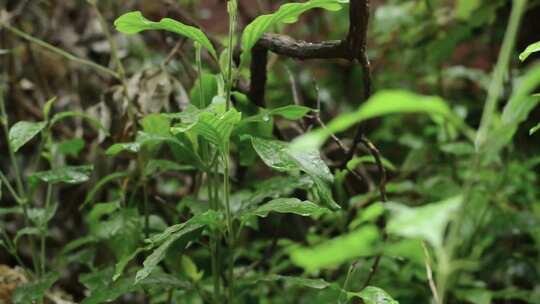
(68, 174)
(22, 132)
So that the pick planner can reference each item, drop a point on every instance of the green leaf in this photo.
(373, 295)
(190, 268)
(41, 216)
(289, 205)
(157, 166)
(210, 89)
(515, 111)
(158, 124)
(290, 112)
(134, 22)
(22, 132)
(333, 252)
(287, 13)
(33, 291)
(71, 147)
(123, 262)
(278, 155)
(68, 174)
(47, 108)
(534, 129)
(465, 8)
(297, 281)
(353, 163)
(168, 237)
(133, 147)
(274, 154)
(368, 214)
(383, 103)
(426, 222)
(64, 115)
(100, 184)
(27, 231)
(533, 48)
(111, 290)
(216, 128)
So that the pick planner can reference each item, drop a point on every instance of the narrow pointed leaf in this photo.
(290, 205)
(135, 22)
(533, 48)
(287, 13)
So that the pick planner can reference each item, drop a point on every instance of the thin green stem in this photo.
(114, 49)
(10, 188)
(343, 292)
(501, 69)
(61, 52)
(45, 232)
(232, 8)
(446, 255)
(230, 228)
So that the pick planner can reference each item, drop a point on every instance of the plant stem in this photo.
(12, 191)
(446, 255)
(18, 178)
(45, 232)
(501, 69)
(230, 232)
(232, 10)
(61, 52)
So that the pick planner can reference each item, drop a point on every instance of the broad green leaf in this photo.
(134, 22)
(68, 174)
(111, 291)
(383, 103)
(367, 214)
(71, 147)
(287, 13)
(533, 48)
(426, 222)
(149, 139)
(133, 147)
(274, 154)
(534, 129)
(290, 112)
(278, 155)
(156, 124)
(33, 291)
(297, 281)
(289, 205)
(64, 115)
(278, 186)
(333, 252)
(23, 131)
(190, 268)
(216, 128)
(167, 238)
(373, 295)
(465, 8)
